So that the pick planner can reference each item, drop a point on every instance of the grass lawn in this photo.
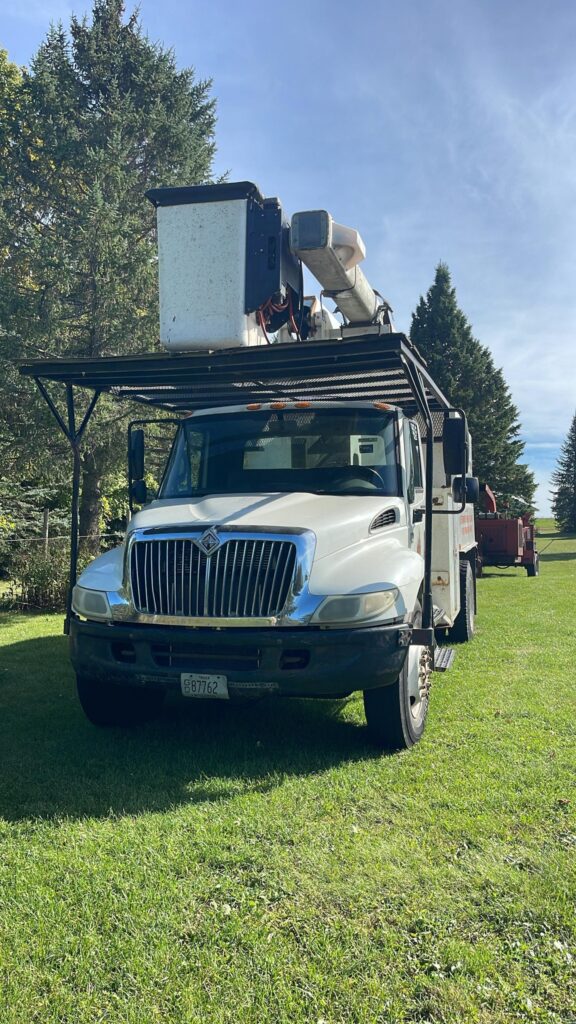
(265, 864)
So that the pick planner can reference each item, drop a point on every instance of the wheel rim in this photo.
(419, 669)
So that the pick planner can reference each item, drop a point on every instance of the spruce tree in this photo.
(564, 483)
(101, 115)
(466, 373)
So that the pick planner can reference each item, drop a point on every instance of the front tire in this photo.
(106, 704)
(396, 714)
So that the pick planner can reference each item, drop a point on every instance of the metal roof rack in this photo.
(375, 366)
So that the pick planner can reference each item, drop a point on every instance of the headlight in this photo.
(355, 608)
(92, 604)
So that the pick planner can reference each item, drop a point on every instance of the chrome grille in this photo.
(245, 578)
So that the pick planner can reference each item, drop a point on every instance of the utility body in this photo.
(313, 533)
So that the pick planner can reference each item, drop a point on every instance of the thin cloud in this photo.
(552, 445)
(34, 12)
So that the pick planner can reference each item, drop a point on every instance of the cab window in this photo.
(416, 456)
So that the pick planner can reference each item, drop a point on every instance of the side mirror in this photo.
(136, 455)
(454, 444)
(139, 492)
(470, 492)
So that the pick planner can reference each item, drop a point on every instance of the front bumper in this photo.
(292, 662)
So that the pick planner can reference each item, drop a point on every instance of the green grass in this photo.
(265, 864)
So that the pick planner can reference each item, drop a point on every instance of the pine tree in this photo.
(564, 483)
(466, 373)
(12, 391)
(101, 115)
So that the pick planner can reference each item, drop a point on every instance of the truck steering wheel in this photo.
(361, 471)
(374, 472)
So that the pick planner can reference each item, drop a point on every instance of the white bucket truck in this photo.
(312, 534)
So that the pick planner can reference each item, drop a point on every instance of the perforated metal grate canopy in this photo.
(372, 367)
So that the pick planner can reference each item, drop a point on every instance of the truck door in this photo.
(414, 486)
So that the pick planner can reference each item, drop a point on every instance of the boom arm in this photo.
(331, 252)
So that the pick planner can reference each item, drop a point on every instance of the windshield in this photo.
(323, 451)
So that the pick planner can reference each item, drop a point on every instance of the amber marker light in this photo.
(254, 406)
(278, 405)
(302, 405)
(382, 405)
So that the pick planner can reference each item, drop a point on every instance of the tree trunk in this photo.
(90, 505)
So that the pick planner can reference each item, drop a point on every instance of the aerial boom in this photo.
(332, 252)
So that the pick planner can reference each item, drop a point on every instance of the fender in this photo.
(105, 572)
(374, 564)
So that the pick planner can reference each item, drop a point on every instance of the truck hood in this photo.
(338, 521)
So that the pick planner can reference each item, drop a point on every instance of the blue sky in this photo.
(441, 129)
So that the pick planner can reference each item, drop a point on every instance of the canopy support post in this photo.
(419, 392)
(74, 437)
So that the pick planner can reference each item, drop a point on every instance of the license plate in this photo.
(199, 684)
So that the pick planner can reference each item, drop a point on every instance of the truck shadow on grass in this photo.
(557, 556)
(56, 764)
(553, 535)
(510, 572)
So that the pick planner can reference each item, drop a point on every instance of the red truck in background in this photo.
(503, 540)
